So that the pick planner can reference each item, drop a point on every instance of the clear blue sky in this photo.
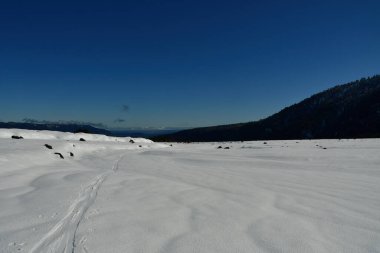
(182, 63)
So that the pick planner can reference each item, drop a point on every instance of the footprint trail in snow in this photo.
(61, 238)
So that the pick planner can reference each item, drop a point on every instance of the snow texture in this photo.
(118, 196)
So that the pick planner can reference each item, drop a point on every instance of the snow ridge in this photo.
(61, 238)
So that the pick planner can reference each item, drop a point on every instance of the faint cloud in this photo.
(33, 121)
(125, 108)
(119, 120)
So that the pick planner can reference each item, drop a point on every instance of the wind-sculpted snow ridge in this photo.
(53, 135)
(61, 238)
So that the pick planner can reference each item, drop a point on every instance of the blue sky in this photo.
(178, 63)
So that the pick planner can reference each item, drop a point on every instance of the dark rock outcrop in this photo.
(48, 146)
(59, 154)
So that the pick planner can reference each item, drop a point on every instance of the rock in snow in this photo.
(48, 146)
(59, 154)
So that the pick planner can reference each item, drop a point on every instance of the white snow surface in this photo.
(117, 196)
(52, 135)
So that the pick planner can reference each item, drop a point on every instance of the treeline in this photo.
(345, 111)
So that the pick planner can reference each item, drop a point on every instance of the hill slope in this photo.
(345, 111)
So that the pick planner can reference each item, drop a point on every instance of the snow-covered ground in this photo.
(117, 196)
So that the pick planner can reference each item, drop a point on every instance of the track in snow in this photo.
(61, 238)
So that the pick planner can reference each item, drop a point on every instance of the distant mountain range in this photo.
(76, 128)
(73, 128)
(351, 110)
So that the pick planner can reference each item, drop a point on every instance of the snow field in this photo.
(114, 196)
